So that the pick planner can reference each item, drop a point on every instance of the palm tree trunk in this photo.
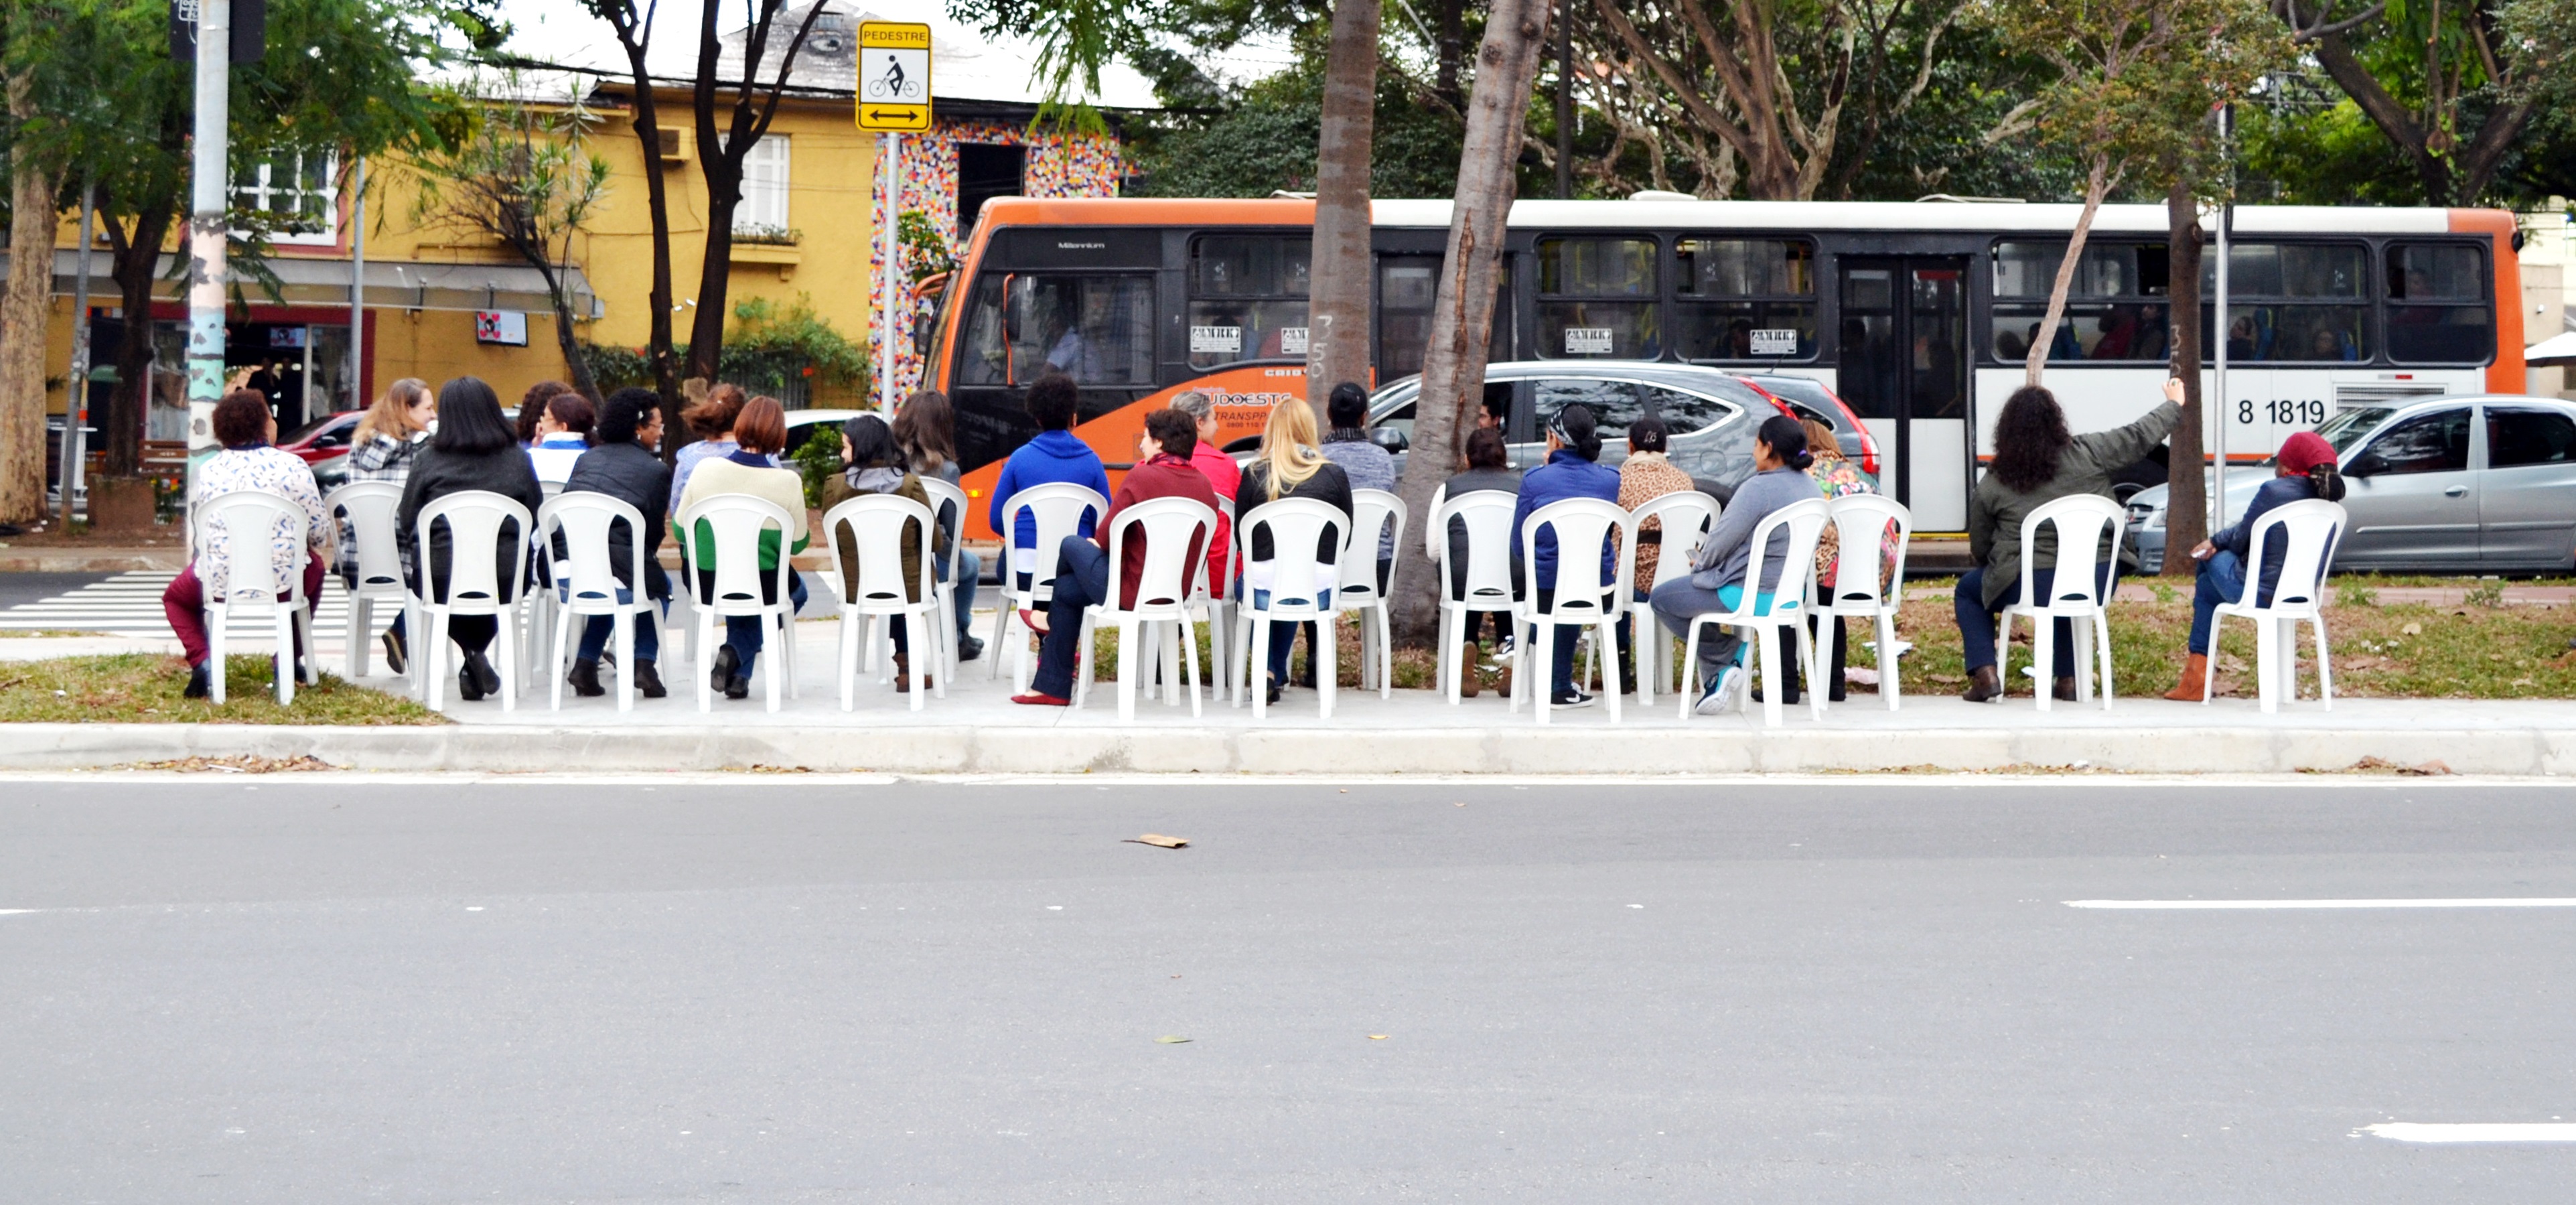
(1462, 320)
(1337, 317)
(23, 315)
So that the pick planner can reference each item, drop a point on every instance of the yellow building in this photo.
(440, 302)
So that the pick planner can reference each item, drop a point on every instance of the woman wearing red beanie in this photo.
(2304, 468)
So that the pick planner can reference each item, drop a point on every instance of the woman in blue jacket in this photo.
(2304, 468)
(1055, 455)
(1573, 447)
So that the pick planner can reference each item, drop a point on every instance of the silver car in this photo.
(2483, 482)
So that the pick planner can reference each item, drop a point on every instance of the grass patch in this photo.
(145, 688)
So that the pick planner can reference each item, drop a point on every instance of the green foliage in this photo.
(1266, 139)
(925, 251)
(616, 368)
(817, 460)
(766, 335)
(2354, 592)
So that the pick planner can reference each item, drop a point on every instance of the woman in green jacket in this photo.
(2036, 462)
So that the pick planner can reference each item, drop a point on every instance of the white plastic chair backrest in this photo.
(251, 521)
(1804, 521)
(734, 523)
(1058, 508)
(877, 523)
(549, 488)
(476, 522)
(588, 566)
(1173, 529)
(1297, 527)
(369, 508)
(1585, 528)
(2309, 528)
(1686, 517)
(948, 510)
(1373, 514)
(2080, 521)
(1435, 533)
(1860, 523)
(1487, 515)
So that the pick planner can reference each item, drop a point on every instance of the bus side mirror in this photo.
(1389, 438)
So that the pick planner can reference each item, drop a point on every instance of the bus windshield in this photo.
(1098, 329)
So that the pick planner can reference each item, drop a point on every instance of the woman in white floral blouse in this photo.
(245, 428)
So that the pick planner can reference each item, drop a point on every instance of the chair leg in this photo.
(2102, 653)
(702, 635)
(1542, 665)
(779, 652)
(353, 630)
(1770, 658)
(1190, 664)
(1451, 655)
(1808, 669)
(429, 654)
(2043, 659)
(1689, 670)
(846, 658)
(1888, 688)
(512, 659)
(622, 634)
(925, 653)
(1258, 648)
(2209, 664)
(556, 656)
(2325, 664)
(2267, 664)
(285, 659)
(1328, 671)
(1607, 641)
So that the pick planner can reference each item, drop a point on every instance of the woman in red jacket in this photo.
(1170, 437)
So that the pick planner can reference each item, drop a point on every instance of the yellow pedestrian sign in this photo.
(894, 75)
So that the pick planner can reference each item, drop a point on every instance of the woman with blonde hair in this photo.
(1288, 466)
(388, 440)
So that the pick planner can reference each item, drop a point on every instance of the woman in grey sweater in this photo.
(1716, 579)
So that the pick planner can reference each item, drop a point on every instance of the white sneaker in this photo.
(1721, 694)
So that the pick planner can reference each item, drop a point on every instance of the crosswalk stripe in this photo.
(129, 604)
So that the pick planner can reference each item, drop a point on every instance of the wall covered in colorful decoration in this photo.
(1057, 166)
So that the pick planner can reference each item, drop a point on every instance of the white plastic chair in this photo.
(1372, 512)
(1299, 589)
(1213, 601)
(1804, 522)
(1586, 530)
(2310, 527)
(2076, 594)
(1487, 515)
(948, 510)
(880, 597)
(585, 580)
(1176, 532)
(1860, 523)
(1058, 508)
(251, 520)
(368, 508)
(734, 523)
(1684, 517)
(476, 584)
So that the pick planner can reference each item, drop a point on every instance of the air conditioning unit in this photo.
(674, 148)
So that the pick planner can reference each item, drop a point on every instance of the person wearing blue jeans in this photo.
(1977, 620)
(1720, 569)
(2304, 468)
(1571, 471)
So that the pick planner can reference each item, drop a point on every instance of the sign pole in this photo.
(76, 396)
(358, 287)
(207, 231)
(891, 275)
(892, 97)
(2218, 376)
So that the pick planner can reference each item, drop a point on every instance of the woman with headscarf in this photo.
(875, 463)
(2304, 468)
(2037, 462)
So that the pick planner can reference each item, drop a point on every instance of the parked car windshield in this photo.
(297, 435)
(2348, 426)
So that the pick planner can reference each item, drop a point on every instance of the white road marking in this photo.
(16, 911)
(2269, 905)
(2492, 1131)
(129, 604)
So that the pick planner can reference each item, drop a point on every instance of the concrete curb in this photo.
(1518, 750)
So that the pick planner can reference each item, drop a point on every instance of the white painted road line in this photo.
(2419, 1131)
(2270, 905)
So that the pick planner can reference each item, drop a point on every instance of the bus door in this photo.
(1904, 372)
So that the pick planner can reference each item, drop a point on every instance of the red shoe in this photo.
(1034, 621)
(1041, 699)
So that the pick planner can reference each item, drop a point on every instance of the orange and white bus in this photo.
(1918, 315)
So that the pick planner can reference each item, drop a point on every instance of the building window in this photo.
(764, 189)
(2115, 308)
(1746, 299)
(298, 195)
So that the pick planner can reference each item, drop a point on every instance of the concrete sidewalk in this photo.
(976, 729)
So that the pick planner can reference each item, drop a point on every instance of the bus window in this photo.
(1406, 287)
(2293, 302)
(1596, 297)
(1248, 297)
(2115, 308)
(1745, 299)
(985, 357)
(1098, 329)
(2426, 322)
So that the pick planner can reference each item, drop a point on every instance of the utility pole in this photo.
(2226, 331)
(358, 287)
(890, 278)
(207, 231)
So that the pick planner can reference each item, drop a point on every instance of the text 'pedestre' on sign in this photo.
(894, 75)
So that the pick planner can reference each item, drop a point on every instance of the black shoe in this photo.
(1983, 685)
(720, 676)
(585, 679)
(2063, 690)
(1275, 687)
(200, 682)
(648, 681)
(467, 687)
(487, 680)
(969, 648)
(397, 655)
(1571, 697)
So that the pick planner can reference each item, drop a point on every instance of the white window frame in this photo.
(765, 185)
(270, 190)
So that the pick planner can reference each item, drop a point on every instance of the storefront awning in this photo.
(393, 285)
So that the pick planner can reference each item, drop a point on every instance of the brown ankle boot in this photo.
(902, 674)
(1983, 685)
(2063, 690)
(1468, 682)
(2195, 676)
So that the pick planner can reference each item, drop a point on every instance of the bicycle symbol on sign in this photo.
(894, 83)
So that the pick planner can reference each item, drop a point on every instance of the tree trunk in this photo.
(133, 266)
(1337, 313)
(2186, 507)
(24, 308)
(576, 365)
(2097, 182)
(1462, 320)
(657, 200)
(1452, 38)
(715, 275)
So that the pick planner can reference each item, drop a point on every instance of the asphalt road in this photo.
(773, 990)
